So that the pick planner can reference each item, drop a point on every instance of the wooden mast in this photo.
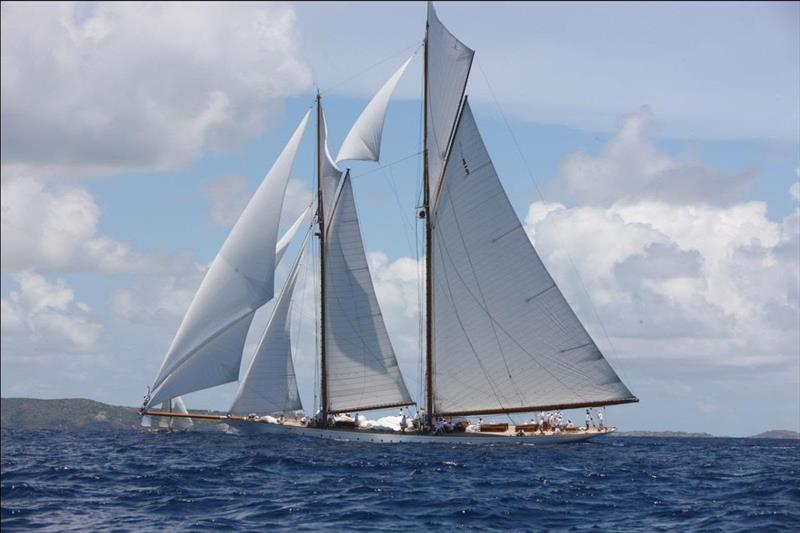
(323, 365)
(428, 258)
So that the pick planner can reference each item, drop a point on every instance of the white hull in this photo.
(256, 428)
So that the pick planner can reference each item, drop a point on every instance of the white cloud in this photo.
(705, 284)
(707, 69)
(631, 167)
(41, 315)
(107, 87)
(50, 228)
(794, 190)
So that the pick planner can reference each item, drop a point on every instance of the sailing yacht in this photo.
(499, 336)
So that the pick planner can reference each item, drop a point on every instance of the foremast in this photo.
(323, 363)
(428, 258)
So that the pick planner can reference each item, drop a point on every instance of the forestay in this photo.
(269, 385)
(361, 363)
(449, 62)
(207, 349)
(363, 142)
(504, 336)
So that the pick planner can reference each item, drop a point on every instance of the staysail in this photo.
(269, 385)
(362, 370)
(364, 140)
(505, 339)
(330, 175)
(207, 348)
(448, 65)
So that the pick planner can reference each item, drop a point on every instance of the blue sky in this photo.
(663, 139)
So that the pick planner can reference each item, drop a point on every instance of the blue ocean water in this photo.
(126, 480)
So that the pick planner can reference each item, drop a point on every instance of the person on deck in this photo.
(403, 421)
(589, 419)
(600, 423)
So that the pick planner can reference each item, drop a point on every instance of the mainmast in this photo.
(323, 364)
(428, 247)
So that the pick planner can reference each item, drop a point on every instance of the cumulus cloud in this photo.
(44, 315)
(56, 228)
(107, 87)
(716, 285)
(631, 167)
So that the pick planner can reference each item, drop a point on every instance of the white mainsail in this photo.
(361, 363)
(207, 348)
(504, 336)
(363, 142)
(269, 385)
(449, 62)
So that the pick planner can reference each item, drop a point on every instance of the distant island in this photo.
(777, 434)
(681, 434)
(81, 413)
(74, 413)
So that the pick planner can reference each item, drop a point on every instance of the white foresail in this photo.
(362, 368)
(504, 336)
(287, 238)
(269, 385)
(364, 140)
(329, 172)
(449, 62)
(207, 348)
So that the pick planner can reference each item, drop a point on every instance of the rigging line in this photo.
(416, 46)
(417, 250)
(316, 321)
(381, 167)
(389, 175)
(539, 192)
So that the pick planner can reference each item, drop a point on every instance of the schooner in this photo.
(499, 336)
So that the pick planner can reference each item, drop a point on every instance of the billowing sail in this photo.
(269, 386)
(505, 338)
(362, 368)
(329, 172)
(449, 62)
(364, 140)
(207, 349)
